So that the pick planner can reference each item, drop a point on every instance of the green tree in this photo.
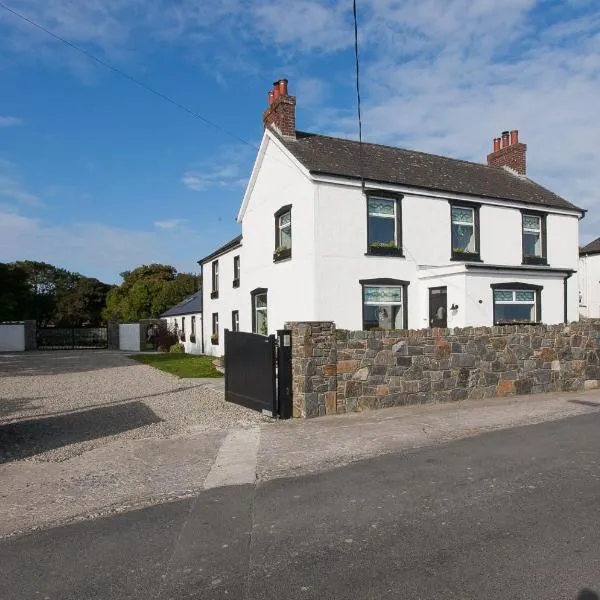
(147, 291)
(82, 302)
(15, 293)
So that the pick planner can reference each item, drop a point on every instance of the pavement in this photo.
(505, 514)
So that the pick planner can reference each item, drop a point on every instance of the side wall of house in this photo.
(589, 286)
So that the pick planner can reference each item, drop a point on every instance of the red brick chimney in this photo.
(509, 152)
(281, 112)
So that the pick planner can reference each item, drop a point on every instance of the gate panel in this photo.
(250, 378)
(68, 338)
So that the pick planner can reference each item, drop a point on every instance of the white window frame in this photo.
(215, 276)
(394, 217)
(258, 309)
(281, 227)
(539, 230)
(400, 304)
(514, 302)
(235, 320)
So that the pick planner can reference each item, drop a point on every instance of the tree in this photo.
(15, 294)
(81, 303)
(147, 291)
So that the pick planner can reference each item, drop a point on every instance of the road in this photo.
(508, 514)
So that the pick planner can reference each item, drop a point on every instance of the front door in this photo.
(438, 307)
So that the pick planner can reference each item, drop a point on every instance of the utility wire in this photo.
(118, 71)
(360, 145)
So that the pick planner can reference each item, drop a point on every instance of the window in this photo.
(259, 311)
(384, 304)
(534, 238)
(193, 329)
(235, 320)
(465, 231)
(517, 303)
(283, 233)
(215, 279)
(236, 271)
(182, 336)
(214, 338)
(384, 226)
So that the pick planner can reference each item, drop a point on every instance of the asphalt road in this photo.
(510, 514)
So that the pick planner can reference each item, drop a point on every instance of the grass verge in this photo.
(182, 365)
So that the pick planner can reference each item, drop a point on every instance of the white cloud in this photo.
(10, 121)
(170, 223)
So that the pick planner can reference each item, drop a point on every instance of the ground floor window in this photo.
(193, 329)
(384, 304)
(259, 311)
(214, 338)
(516, 303)
(235, 320)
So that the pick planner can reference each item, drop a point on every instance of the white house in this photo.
(589, 280)
(185, 319)
(373, 236)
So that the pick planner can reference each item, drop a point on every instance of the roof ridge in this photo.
(462, 160)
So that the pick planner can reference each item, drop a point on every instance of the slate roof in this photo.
(236, 241)
(326, 155)
(591, 248)
(191, 305)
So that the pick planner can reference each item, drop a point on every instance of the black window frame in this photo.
(235, 320)
(534, 260)
(253, 294)
(215, 279)
(236, 271)
(397, 250)
(386, 282)
(193, 329)
(519, 286)
(467, 256)
(214, 337)
(285, 254)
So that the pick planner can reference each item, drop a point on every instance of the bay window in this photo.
(384, 225)
(465, 231)
(517, 303)
(384, 304)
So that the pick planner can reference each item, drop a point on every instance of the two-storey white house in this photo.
(589, 280)
(372, 236)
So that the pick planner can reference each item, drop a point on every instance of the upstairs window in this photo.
(215, 279)
(534, 238)
(465, 231)
(517, 303)
(236, 271)
(384, 226)
(283, 233)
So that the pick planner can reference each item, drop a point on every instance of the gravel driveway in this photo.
(56, 405)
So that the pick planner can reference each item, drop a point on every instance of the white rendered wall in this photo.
(189, 346)
(589, 286)
(12, 337)
(129, 337)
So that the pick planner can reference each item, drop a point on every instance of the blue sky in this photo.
(99, 176)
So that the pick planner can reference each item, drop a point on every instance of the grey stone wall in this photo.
(341, 371)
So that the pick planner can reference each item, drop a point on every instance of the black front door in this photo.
(438, 307)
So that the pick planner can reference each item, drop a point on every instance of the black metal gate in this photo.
(70, 338)
(258, 371)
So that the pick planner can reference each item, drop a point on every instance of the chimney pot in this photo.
(281, 112)
(282, 85)
(270, 97)
(275, 92)
(505, 139)
(496, 144)
(509, 152)
(514, 137)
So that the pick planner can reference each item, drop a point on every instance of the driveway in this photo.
(56, 405)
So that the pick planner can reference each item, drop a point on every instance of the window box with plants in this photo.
(462, 254)
(282, 253)
(532, 259)
(384, 249)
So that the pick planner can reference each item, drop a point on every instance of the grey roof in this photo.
(191, 305)
(230, 245)
(385, 164)
(591, 248)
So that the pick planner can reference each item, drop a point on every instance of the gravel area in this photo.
(56, 405)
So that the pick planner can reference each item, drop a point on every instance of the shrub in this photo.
(177, 349)
(164, 337)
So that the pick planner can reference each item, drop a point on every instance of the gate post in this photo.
(284, 373)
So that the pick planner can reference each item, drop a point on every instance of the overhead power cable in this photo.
(356, 60)
(122, 73)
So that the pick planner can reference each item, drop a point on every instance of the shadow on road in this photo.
(586, 594)
(23, 439)
(9, 406)
(585, 402)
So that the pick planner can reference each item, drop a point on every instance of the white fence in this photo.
(12, 337)
(129, 337)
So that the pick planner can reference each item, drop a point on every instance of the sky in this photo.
(98, 175)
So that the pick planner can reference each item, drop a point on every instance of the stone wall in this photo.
(342, 371)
